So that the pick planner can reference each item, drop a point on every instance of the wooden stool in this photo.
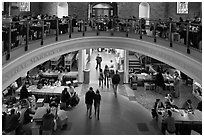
(146, 86)
(75, 83)
(68, 82)
(35, 128)
(39, 102)
(167, 133)
(49, 132)
(134, 86)
(176, 37)
(152, 86)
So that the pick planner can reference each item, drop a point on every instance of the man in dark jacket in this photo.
(115, 82)
(97, 100)
(48, 121)
(13, 121)
(89, 97)
(98, 61)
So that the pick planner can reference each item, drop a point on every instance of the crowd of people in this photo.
(103, 23)
(169, 105)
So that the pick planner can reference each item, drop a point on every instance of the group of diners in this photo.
(18, 113)
(18, 32)
(15, 111)
(173, 118)
(160, 80)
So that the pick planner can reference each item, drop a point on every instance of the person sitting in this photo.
(199, 107)
(13, 122)
(48, 121)
(24, 92)
(57, 83)
(73, 96)
(65, 98)
(25, 120)
(170, 123)
(188, 105)
(169, 101)
(157, 105)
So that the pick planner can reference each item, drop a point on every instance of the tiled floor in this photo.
(128, 114)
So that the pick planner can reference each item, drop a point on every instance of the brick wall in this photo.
(126, 9)
(158, 10)
(49, 8)
(78, 8)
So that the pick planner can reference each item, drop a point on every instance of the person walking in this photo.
(115, 82)
(98, 61)
(101, 77)
(176, 84)
(89, 97)
(107, 75)
(97, 99)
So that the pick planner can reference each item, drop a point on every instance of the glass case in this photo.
(197, 90)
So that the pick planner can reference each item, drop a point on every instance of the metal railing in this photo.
(22, 33)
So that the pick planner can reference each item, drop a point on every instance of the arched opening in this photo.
(144, 11)
(102, 9)
(21, 65)
(62, 9)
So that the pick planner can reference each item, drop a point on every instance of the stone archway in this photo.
(144, 11)
(62, 9)
(21, 65)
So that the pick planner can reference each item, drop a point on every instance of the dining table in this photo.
(182, 117)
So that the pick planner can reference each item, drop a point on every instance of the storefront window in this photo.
(24, 6)
(182, 7)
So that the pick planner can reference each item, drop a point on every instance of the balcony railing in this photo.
(23, 33)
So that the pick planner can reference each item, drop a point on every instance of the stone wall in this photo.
(49, 8)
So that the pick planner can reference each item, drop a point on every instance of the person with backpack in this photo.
(106, 76)
(101, 77)
(97, 99)
(98, 61)
(115, 82)
(89, 97)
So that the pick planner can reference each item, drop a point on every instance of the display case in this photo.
(197, 90)
(68, 60)
(55, 61)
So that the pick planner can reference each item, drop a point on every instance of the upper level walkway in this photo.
(25, 57)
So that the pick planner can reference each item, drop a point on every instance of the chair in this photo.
(176, 37)
(194, 132)
(35, 129)
(68, 82)
(167, 133)
(146, 86)
(49, 132)
(75, 83)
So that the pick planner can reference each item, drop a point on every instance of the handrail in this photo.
(40, 29)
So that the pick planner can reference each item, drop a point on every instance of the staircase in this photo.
(134, 64)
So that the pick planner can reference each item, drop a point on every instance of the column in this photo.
(126, 66)
(80, 67)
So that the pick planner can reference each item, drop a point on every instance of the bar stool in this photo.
(75, 83)
(39, 102)
(68, 82)
(146, 86)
